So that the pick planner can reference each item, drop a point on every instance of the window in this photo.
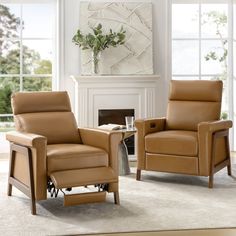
(234, 65)
(203, 44)
(27, 49)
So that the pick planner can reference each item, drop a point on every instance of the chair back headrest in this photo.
(192, 102)
(47, 114)
(196, 90)
(32, 102)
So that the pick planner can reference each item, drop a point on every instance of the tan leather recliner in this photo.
(191, 139)
(49, 151)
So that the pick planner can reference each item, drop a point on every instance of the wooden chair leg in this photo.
(212, 163)
(11, 168)
(138, 175)
(228, 155)
(211, 179)
(116, 198)
(229, 169)
(31, 187)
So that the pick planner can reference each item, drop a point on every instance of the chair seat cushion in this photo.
(74, 156)
(172, 142)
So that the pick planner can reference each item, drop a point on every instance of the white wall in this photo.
(160, 44)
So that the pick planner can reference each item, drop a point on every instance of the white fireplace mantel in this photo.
(92, 93)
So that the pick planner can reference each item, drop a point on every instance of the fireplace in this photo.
(117, 116)
(97, 93)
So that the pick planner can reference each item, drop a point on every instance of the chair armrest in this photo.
(38, 146)
(144, 127)
(25, 139)
(107, 140)
(214, 125)
(205, 132)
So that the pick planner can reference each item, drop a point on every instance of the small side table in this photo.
(123, 152)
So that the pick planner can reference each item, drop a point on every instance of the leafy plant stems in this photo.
(97, 41)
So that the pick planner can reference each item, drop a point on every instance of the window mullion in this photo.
(200, 40)
(230, 77)
(230, 58)
(21, 48)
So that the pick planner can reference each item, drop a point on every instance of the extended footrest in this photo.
(82, 177)
(82, 198)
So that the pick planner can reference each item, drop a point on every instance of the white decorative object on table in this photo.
(135, 56)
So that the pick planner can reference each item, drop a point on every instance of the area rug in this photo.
(188, 232)
(160, 201)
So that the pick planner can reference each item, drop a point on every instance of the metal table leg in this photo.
(123, 159)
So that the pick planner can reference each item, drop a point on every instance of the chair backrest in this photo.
(45, 113)
(192, 102)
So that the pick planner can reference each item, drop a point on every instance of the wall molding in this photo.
(114, 92)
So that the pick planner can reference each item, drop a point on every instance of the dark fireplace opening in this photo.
(117, 116)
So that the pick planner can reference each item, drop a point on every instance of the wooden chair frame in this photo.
(12, 181)
(227, 162)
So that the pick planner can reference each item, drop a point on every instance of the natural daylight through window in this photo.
(204, 46)
(27, 53)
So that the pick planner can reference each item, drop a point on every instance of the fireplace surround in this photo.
(94, 93)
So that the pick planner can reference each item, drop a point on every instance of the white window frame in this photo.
(55, 42)
(231, 34)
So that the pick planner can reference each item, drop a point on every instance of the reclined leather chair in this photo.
(191, 139)
(48, 151)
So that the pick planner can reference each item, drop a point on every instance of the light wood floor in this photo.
(209, 232)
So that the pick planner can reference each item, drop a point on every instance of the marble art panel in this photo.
(135, 56)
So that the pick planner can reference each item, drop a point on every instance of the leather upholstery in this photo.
(105, 140)
(182, 143)
(69, 178)
(198, 90)
(172, 163)
(74, 156)
(188, 97)
(179, 114)
(26, 139)
(32, 102)
(84, 198)
(172, 142)
(63, 129)
(144, 127)
(47, 114)
(45, 124)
